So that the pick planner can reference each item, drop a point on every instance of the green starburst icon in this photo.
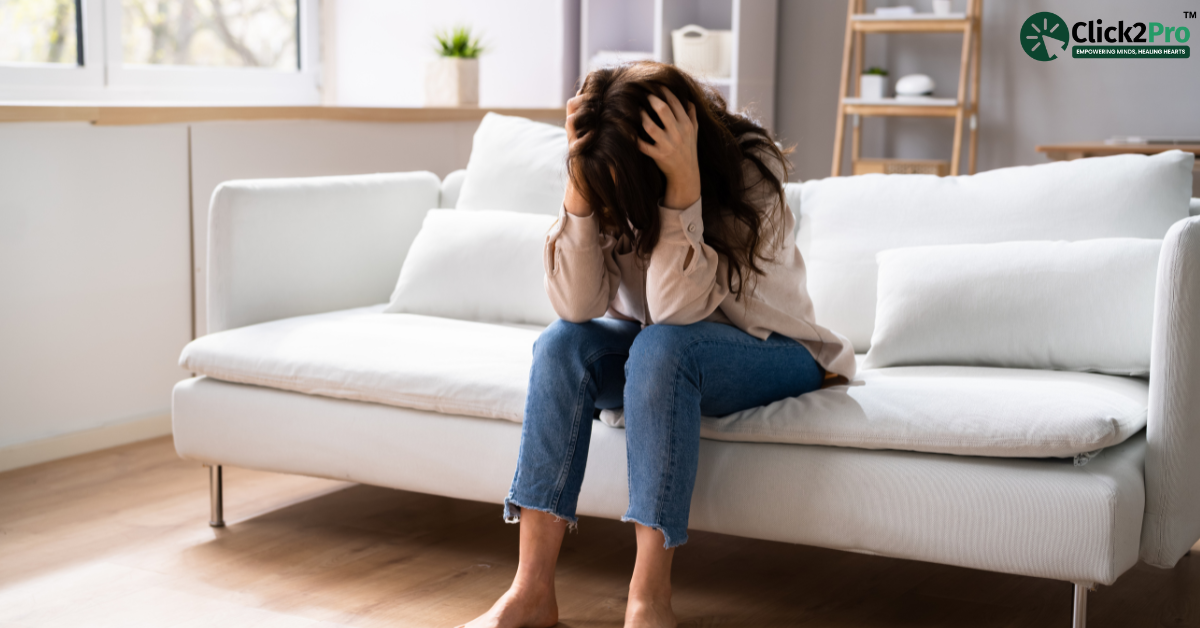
(1044, 36)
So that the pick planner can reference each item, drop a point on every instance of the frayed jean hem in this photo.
(670, 539)
(512, 514)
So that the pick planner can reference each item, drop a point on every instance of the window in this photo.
(214, 33)
(228, 51)
(40, 31)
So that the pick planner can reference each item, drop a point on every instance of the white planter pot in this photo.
(872, 86)
(452, 82)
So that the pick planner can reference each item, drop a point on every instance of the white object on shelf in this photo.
(872, 86)
(941, 7)
(924, 101)
(893, 12)
(914, 85)
(452, 82)
(707, 53)
(1131, 140)
(609, 58)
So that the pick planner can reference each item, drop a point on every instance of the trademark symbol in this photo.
(1190, 15)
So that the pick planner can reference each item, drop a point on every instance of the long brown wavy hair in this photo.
(623, 185)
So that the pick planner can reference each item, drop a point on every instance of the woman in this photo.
(681, 291)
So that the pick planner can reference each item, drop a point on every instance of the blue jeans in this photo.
(666, 377)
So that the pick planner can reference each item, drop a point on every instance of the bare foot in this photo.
(649, 611)
(520, 608)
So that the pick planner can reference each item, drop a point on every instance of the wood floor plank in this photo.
(119, 538)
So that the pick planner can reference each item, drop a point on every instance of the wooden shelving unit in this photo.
(963, 109)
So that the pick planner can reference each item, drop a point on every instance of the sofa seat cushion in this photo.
(406, 360)
(964, 410)
(482, 370)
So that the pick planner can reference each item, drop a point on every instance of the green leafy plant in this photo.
(876, 70)
(458, 42)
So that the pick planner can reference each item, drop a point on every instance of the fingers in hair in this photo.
(647, 149)
(677, 109)
(655, 132)
(665, 114)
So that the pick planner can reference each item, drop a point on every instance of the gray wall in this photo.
(1023, 102)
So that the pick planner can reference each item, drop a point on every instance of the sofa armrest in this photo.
(287, 247)
(1172, 521)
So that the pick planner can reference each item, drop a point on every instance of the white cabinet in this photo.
(614, 30)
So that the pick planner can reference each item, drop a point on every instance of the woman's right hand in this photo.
(573, 201)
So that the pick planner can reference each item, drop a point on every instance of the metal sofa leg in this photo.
(1080, 617)
(216, 517)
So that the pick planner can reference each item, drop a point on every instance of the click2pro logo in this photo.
(1046, 36)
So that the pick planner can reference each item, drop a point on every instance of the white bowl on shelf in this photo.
(915, 85)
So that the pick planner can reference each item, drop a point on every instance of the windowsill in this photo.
(109, 115)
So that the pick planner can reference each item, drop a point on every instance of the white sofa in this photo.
(302, 373)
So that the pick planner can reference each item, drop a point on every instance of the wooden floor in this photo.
(120, 538)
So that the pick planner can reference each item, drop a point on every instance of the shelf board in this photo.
(929, 107)
(915, 17)
(916, 23)
(1100, 149)
(914, 102)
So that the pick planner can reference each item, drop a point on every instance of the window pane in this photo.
(220, 33)
(38, 31)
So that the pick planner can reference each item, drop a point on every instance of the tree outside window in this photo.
(214, 33)
(217, 33)
(39, 31)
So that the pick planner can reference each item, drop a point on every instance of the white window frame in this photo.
(57, 81)
(104, 77)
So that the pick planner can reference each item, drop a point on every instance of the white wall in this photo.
(1023, 102)
(383, 46)
(95, 298)
(95, 293)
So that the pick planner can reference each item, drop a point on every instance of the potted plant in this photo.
(872, 83)
(452, 80)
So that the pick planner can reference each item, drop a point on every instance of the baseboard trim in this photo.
(75, 443)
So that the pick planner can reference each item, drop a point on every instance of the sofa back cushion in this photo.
(516, 165)
(1070, 306)
(477, 266)
(845, 221)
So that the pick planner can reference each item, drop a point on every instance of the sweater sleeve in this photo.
(684, 284)
(581, 275)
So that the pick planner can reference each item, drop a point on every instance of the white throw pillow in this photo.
(516, 165)
(845, 221)
(477, 266)
(1072, 306)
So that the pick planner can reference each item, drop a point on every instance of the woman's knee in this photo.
(564, 341)
(561, 341)
(660, 355)
(659, 343)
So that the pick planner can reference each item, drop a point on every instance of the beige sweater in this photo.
(590, 274)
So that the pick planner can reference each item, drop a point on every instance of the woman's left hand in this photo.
(674, 149)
